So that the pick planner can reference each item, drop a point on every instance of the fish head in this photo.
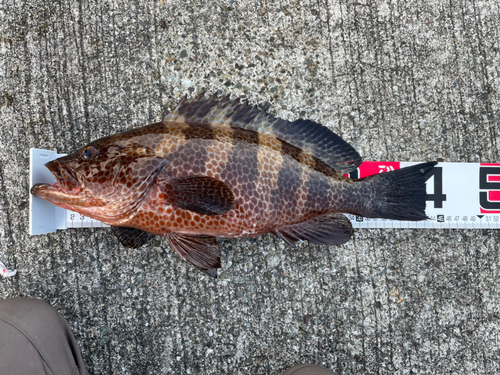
(105, 180)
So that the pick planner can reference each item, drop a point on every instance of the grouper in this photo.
(220, 168)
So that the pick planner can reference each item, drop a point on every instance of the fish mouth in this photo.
(66, 182)
(41, 190)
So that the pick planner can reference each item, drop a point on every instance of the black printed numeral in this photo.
(438, 197)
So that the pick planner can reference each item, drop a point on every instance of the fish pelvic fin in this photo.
(131, 237)
(306, 135)
(200, 250)
(400, 194)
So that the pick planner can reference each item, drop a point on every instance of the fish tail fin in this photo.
(400, 194)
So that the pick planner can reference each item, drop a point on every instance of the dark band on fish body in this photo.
(248, 136)
(290, 150)
(324, 168)
(316, 187)
(198, 131)
(289, 183)
(296, 153)
(192, 155)
(242, 171)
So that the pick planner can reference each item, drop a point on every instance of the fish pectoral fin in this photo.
(329, 229)
(200, 250)
(201, 194)
(131, 237)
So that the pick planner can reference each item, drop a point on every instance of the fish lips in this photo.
(67, 183)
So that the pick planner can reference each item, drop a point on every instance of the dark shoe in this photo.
(308, 370)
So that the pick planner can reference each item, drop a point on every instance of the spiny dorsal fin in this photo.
(304, 134)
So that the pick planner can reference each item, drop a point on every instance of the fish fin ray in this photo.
(200, 250)
(290, 238)
(308, 135)
(328, 229)
(201, 194)
(131, 237)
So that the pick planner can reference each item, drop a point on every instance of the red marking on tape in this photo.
(490, 165)
(371, 168)
(494, 195)
(493, 178)
(483, 211)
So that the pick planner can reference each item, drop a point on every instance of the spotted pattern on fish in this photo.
(220, 168)
(268, 194)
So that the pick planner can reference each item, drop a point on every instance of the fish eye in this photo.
(88, 152)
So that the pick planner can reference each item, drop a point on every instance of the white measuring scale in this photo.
(459, 195)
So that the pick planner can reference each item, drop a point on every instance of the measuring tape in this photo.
(459, 195)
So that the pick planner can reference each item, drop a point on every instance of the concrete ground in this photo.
(408, 81)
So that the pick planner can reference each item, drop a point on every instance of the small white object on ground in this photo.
(5, 272)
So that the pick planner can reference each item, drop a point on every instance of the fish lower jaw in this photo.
(41, 190)
(55, 188)
(56, 194)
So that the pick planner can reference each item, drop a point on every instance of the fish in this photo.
(220, 168)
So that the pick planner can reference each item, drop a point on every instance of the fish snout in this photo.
(37, 190)
(46, 191)
(65, 178)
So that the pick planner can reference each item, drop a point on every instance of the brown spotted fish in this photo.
(220, 168)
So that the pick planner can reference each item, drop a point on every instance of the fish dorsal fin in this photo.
(307, 135)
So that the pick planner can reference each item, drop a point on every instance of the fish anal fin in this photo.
(288, 236)
(308, 135)
(201, 194)
(131, 237)
(328, 229)
(200, 250)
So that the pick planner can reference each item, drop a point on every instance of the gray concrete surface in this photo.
(399, 80)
